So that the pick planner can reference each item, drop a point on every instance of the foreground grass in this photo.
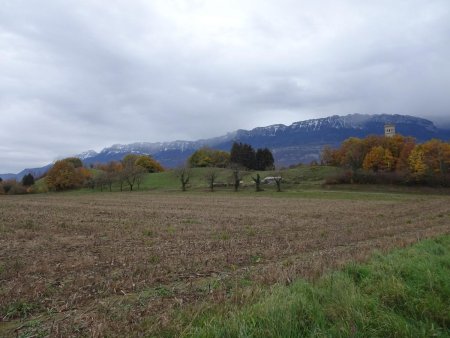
(403, 294)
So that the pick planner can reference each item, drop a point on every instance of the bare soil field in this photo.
(121, 263)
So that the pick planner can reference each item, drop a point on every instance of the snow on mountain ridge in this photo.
(86, 154)
(350, 121)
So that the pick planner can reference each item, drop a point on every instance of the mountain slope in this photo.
(299, 142)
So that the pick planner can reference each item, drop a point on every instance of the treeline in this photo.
(398, 160)
(70, 173)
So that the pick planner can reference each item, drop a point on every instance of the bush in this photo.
(12, 187)
(342, 178)
(17, 189)
(369, 177)
(438, 180)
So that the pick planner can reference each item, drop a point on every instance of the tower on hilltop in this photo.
(389, 130)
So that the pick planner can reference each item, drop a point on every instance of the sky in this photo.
(85, 74)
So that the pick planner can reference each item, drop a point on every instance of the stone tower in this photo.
(389, 130)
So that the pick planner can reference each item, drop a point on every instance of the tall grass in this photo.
(403, 294)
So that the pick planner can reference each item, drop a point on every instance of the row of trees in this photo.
(130, 171)
(211, 175)
(69, 173)
(399, 155)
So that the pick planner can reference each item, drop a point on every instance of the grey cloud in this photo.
(80, 75)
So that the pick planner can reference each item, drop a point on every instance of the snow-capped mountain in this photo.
(86, 154)
(299, 142)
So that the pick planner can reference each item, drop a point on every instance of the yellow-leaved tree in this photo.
(417, 165)
(150, 164)
(379, 159)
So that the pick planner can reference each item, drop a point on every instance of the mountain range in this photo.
(300, 142)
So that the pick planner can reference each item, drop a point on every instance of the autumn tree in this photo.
(76, 162)
(402, 164)
(417, 165)
(330, 156)
(207, 157)
(436, 155)
(149, 164)
(353, 153)
(379, 159)
(64, 175)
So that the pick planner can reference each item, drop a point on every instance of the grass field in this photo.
(403, 294)
(145, 262)
(303, 177)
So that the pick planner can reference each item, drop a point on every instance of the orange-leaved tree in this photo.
(64, 175)
(436, 155)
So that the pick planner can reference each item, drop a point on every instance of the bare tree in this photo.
(257, 181)
(183, 174)
(277, 178)
(236, 178)
(131, 171)
(120, 177)
(140, 172)
(100, 180)
(211, 176)
(113, 173)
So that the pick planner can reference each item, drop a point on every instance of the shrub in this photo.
(12, 187)
(342, 178)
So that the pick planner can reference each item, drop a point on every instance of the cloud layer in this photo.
(78, 75)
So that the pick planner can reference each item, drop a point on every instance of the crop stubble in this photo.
(72, 256)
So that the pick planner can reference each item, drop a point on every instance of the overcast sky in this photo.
(84, 74)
